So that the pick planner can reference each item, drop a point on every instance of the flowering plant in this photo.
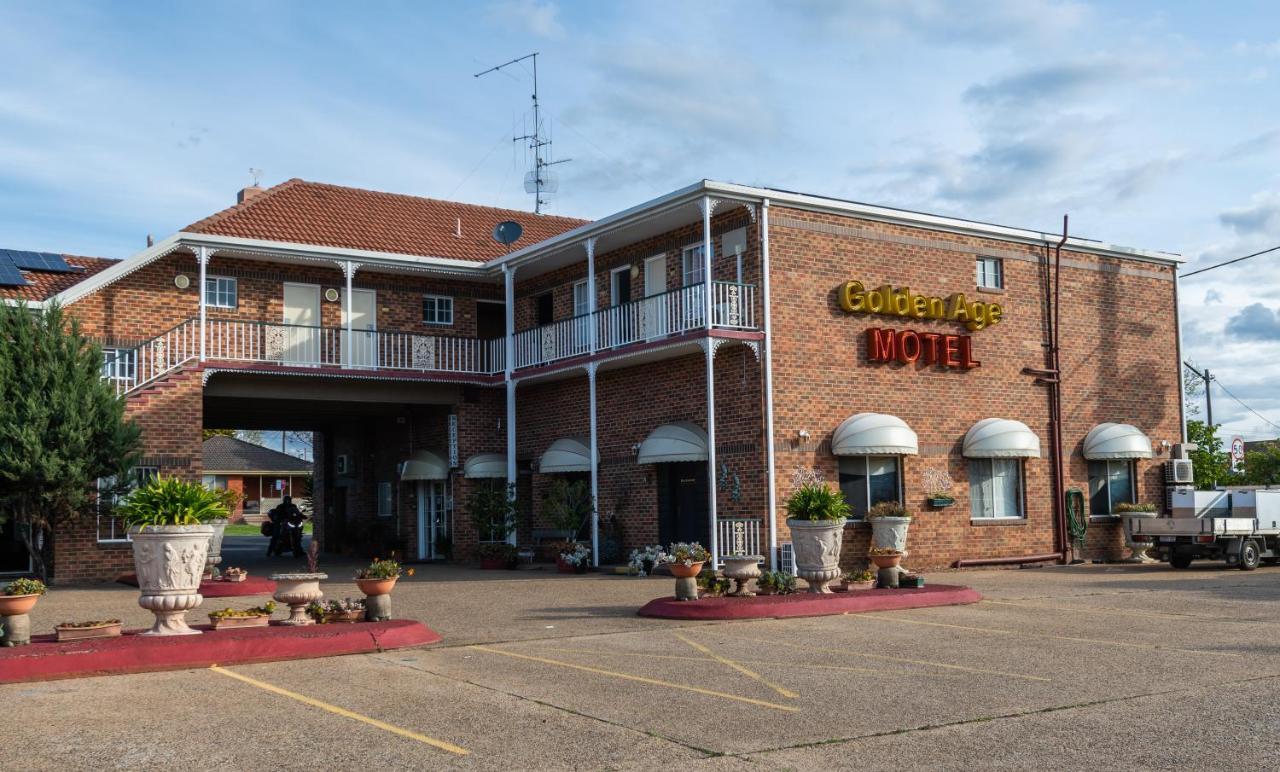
(265, 610)
(686, 553)
(645, 558)
(865, 575)
(25, 587)
(578, 556)
(321, 612)
(380, 569)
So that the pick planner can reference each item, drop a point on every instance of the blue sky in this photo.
(1152, 124)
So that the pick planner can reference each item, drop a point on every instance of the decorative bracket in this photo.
(707, 205)
(754, 345)
(590, 245)
(349, 268)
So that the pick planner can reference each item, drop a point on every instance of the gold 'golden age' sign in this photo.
(856, 299)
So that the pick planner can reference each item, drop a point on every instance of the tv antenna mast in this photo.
(542, 179)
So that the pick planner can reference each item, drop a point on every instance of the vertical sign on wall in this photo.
(453, 441)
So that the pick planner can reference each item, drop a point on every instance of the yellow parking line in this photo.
(1000, 631)
(1129, 612)
(944, 665)
(802, 665)
(640, 679)
(749, 673)
(441, 744)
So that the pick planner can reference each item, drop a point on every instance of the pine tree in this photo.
(62, 427)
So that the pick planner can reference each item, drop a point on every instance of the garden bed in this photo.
(804, 604)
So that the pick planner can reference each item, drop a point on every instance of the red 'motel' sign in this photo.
(908, 346)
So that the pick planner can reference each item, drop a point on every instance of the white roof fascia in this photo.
(118, 271)
(312, 251)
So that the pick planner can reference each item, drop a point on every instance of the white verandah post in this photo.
(349, 270)
(707, 205)
(767, 352)
(591, 388)
(202, 257)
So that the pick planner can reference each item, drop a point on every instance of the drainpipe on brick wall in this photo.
(1060, 492)
(1182, 383)
(767, 353)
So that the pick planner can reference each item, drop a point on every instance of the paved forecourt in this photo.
(1070, 667)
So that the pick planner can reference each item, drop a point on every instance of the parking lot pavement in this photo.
(1140, 666)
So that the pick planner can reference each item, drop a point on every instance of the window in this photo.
(215, 482)
(437, 309)
(110, 529)
(991, 273)
(995, 488)
(691, 264)
(868, 480)
(620, 286)
(384, 499)
(119, 364)
(1110, 483)
(581, 302)
(219, 292)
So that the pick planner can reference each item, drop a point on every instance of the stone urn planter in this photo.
(169, 561)
(297, 591)
(1139, 548)
(889, 532)
(742, 569)
(372, 587)
(215, 546)
(817, 550)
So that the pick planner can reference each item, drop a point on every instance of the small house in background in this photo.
(262, 476)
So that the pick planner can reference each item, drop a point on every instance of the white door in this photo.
(656, 309)
(425, 542)
(301, 344)
(432, 519)
(362, 350)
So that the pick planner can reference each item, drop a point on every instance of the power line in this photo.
(1229, 262)
(1246, 407)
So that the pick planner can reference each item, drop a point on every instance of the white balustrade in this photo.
(739, 536)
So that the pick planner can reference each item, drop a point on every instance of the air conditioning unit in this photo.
(1178, 472)
(787, 558)
(342, 464)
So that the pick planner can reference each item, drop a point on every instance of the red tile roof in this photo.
(44, 285)
(330, 215)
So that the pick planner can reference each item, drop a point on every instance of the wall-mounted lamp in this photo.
(331, 295)
(803, 434)
(635, 271)
(635, 449)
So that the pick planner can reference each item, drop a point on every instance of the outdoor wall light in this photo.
(331, 295)
(635, 449)
(181, 281)
(803, 434)
(635, 271)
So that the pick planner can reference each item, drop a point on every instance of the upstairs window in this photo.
(110, 528)
(581, 301)
(691, 265)
(220, 292)
(990, 273)
(437, 309)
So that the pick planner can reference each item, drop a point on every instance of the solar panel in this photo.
(10, 276)
(39, 261)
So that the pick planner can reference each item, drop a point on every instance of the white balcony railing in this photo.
(127, 369)
(739, 536)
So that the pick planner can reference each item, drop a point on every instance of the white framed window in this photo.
(691, 264)
(214, 482)
(220, 292)
(119, 364)
(868, 480)
(384, 499)
(990, 273)
(1110, 483)
(437, 309)
(581, 300)
(995, 488)
(110, 528)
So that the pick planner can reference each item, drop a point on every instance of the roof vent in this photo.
(247, 193)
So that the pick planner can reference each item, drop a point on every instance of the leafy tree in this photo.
(568, 504)
(493, 510)
(1262, 467)
(1211, 463)
(62, 427)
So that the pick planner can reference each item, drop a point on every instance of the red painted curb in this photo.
(45, 659)
(252, 585)
(809, 605)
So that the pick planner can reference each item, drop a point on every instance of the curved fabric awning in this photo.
(424, 465)
(1001, 438)
(670, 443)
(567, 454)
(874, 434)
(1116, 441)
(490, 466)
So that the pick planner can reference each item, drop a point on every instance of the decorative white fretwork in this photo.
(707, 205)
(754, 345)
(424, 352)
(275, 339)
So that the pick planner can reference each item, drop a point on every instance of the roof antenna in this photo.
(256, 174)
(542, 180)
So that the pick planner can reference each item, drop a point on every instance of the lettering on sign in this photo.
(931, 348)
(902, 302)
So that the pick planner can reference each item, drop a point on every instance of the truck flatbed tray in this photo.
(1200, 526)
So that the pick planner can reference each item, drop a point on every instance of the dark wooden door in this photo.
(682, 503)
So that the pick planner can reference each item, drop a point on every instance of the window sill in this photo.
(997, 521)
(991, 290)
(1104, 518)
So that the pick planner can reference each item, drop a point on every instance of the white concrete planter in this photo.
(169, 560)
(1139, 548)
(817, 549)
(742, 569)
(298, 591)
(889, 532)
(215, 544)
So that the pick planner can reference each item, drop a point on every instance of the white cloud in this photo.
(539, 18)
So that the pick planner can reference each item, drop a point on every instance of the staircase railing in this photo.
(132, 368)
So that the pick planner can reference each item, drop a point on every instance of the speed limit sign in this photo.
(1237, 450)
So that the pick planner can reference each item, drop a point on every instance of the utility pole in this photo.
(1207, 377)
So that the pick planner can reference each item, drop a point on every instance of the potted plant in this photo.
(578, 559)
(345, 611)
(776, 583)
(860, 580)
(20, 596)
(885, 557)
(79, 631)
(889, 521)
(560, 549)
(645, 559)
(497, 555)
(168, 521)
(233, 574)
(686, 559)
(230, 618)
(711, 584)
(492, 508)
(567, 505)
(817, 515)
(1130, 513)
(379, 577)
(300, 589)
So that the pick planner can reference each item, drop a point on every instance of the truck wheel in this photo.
(1180, 559)
(1249, 555)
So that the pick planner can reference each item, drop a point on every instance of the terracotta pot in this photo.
(681, 571)
(817, 549)
(858, 586)
(169, 560)
(233, 623)
(373, 587)
(110, 630)
(13, 605)
(886, 561)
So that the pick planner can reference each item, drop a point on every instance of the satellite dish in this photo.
(507, 231)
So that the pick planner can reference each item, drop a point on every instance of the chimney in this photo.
(247, 193)
(150, 241)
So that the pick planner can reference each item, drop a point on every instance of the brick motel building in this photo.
(692, 358)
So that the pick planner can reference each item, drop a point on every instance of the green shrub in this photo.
(25, 587)
(817, 501)
(493, 511)
(779, 582)
(1127, 507)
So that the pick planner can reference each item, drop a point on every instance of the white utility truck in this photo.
(1240, 527)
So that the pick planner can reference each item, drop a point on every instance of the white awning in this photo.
(424, 465)
(1001, 438)
(567, 454)
(670, 443)
(874, 434)
(1116, 441)
(491, 466)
